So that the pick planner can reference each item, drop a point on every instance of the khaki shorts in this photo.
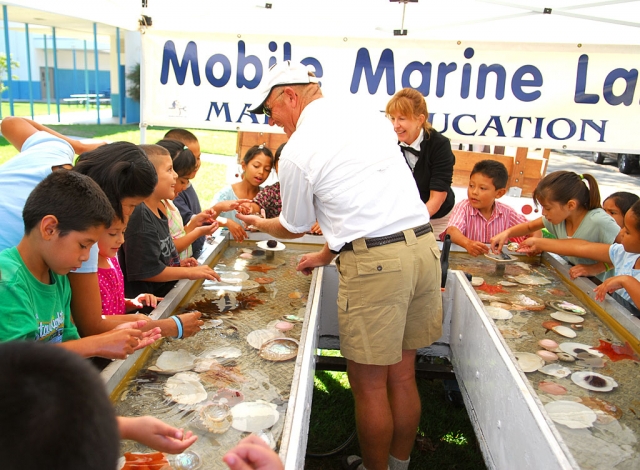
(389, 299)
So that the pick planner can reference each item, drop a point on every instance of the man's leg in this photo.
(405, 404)
(374, 420)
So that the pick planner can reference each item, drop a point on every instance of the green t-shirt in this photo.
(29, 309)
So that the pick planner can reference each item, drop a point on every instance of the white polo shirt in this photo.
(343, 167)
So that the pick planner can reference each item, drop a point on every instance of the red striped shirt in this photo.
(474, 226)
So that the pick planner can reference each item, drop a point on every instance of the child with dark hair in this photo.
(268, 199)
(570, 209)
(60, 417)
(63, 217)
(625, 256)
(149, 259)
(475, 220)
(187, 201)
(200, 225)
(256, 167)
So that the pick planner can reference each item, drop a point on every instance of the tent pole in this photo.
(95, 52)
(8, 57)
(26, 30)
(55, 72)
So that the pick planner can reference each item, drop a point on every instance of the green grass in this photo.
(24, 109)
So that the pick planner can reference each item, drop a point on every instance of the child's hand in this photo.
(206, 230)
(226, 206)
(252, 453)
(203, 272)
(149, 337)
(610, 285)
(475, 248)
(531, 246)
(191, 323)
(237, 232)
(143, 300)
(117, 343)
(498, 241)
(188, 262)
(155, 434)
(585, 270)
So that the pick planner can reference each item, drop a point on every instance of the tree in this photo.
(3, 71)
(134, 77)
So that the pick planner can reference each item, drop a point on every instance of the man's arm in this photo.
(271, 226)
(17, 130)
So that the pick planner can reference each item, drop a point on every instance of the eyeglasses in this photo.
(266, 109)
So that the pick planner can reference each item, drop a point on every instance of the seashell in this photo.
(229, 331)
(529, 362)
(513, 246)
(550, 324)
(216, 418)
(228, 277)
(564, 331)
(547, 356)
(246, 250)
(500, 257)
(549, 344)
(185, 388)
(552, 388)
(227, 352)
(525, 302)
(500, 304)
(576, 348)
(188, 460)
(567, 317)
(246, 256)
(498, 313)
(488, 297)
(567, 307)
(571, 414)
(507, 283)
(258, 337)
(295, 295)
(266, 245)
(510, 333)
(171, 362)
(264, 280)
(477, 281)
(586, 360)
(555, 370)
(530, 280)
(593, 381)
(279, 349)
(293, 318)
(598, 404)
(283, 326)
(228, 396)
(563, 356)
(577, 326)
(208, 324)
(254, 416)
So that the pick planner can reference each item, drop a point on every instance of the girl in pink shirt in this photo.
(110, 276)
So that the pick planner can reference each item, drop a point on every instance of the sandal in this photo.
(351, 462)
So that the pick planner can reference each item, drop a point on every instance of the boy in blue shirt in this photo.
(63, 217)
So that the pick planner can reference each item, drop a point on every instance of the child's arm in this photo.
(114, 344)
(628, 283)
(473, 248)
(155, 434)
(226, 206)
(182, 243)
(17, 130)
(519, 230)
(173, 273)
(572, 247)
(587, 270)
(237, 231)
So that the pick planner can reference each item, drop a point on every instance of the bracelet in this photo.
(606, 267)
(176, 319)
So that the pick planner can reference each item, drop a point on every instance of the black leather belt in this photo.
(387, 239)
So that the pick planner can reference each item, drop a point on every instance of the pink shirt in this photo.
(474, 226)
(112, 288)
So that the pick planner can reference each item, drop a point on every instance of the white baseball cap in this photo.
(284, 73)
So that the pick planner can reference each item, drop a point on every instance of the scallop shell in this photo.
(550, 324)
(594, 381)
(500, 305)
(552, 388)
(216, 418)
(571, 414)
(171, 362)
(188, 460)
(529, 362)
(477, 281)
(576, 348)
(283, 326)
(264, 280)
(525, 302)
(254, 416)
(549, 344)
(567, 307)
(507, 283)
(208, 324)
(293, 318)
(510, 333)
(567, 317)
(530, 280)
(556, 370)
(547, 356)
(227, 352)
(513, 246)
(228, 396)
(498, 313)
(279, 349)
(228, 277)
(564, 331)
(246, 255)
(185, 388)
(597, 404)
(258, 337)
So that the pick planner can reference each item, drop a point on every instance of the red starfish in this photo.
(616, 352)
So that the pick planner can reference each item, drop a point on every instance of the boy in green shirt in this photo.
(63, 217)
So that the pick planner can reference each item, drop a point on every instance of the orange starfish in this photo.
(263, 268)
(616, 352)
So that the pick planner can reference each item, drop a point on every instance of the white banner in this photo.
(526, 95)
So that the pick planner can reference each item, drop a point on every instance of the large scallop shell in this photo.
(564, 331)
(529, 362)
(548, 344)
(477, 281)
(185, 388)
(525, 302)
(552, 388)
(254, 416)
(566, 317)
(171, 362)
(498, 313)
(227, 352)
(576, 348)
(567, 307)
(555, 370)
(530, 280)
(570, 413)
(279, 349)
(594, 381)
(258, 337)
(547, 356)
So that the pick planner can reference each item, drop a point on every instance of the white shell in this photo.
(185, 388)
(531, 280)
(263, 244)
(477, 281)
(258, 337)
(498, 313)
(555, 370)
(208, 324)
(529, 362)
(228, 352)
(499, 259)
(566, 317)
(171, 362)
(567, 307)
(279, 349)
(582, 379)
(504, 305)
(576, 348)
(254, 416)
(228, 277)
(513, 246)
(488, 297)
(507, 283)
(564, 331)
(571, 414)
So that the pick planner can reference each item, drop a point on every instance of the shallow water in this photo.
(251, 375)
(610, 443)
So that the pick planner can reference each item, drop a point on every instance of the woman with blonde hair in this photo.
(427, 152)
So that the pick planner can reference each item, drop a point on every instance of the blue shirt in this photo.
(624, 263)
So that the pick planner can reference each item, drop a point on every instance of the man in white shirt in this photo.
(342, 166)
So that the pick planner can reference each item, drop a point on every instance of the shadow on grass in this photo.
(453, 443)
